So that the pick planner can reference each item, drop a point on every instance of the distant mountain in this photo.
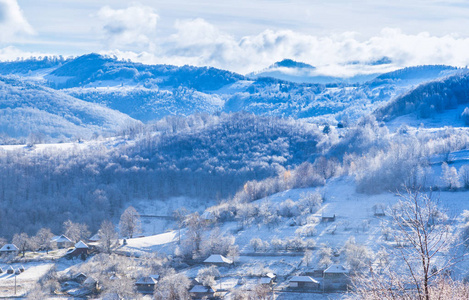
(429, 99)
(96, 70)
(289, 63)
(299, 72)
(27, 108)
(415, 75)
(151, 92)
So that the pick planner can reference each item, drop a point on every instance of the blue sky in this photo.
(242, 36)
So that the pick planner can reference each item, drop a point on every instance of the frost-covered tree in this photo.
(421, 224)
(325, 256)
(449, 176)
(173, 287)
(76, 231)
(107, 236)
(129, 223)
(23, 242)
(43, 239)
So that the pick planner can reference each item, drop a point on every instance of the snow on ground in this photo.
(25, 280)
(164, 242)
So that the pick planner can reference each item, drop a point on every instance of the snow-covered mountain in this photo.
(27, 108)
(151, 92)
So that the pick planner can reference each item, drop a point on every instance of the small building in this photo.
(146, 285)
(336, 277)
(200, 291)
(328, 217)
(303, 282)
(208, 216)
(63, 242)
(1, 270)
(81, 250)
(90, 284)
(95, 238)
(268, 279)
(21, 268)
(10, 270)
(80, 277)
(219, 260)
(9, 249)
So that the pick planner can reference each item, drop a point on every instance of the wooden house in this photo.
(218, 260)
(303, 282)
(62, 242)
(147, 284)
(336, 277)
(9, 249)
(200, 291)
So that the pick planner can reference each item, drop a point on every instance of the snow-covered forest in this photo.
(187, 162)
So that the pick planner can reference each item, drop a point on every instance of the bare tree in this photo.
(43, 239)
(129, 223)
(426, 236)
(173, 287)
(23, 242)
(76, 231)
(107, 236)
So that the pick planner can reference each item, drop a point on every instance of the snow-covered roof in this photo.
(303, 279)
(208, 215)
(148, 280)
(90, 281)
(201, 289)
(266, 280)
(62, 239)
(81, 245)
(336, 269)
(94, 238)
(9, 247)
(270, 275)
(218, 259)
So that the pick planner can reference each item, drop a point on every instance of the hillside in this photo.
(429, 99)
(27, 108)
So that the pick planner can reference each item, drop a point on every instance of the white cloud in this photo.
(133, 27)
(199, 43)
(13, 24)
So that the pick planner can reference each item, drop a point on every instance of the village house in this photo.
(268, 279)
(9, 249)
(62, 242)
(336, 277)
(328, 217)
(81, 250)
(303, 282)
(218, 260)
(200, 291)
(146, 285)
(80, 277)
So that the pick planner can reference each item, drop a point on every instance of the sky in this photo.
(340, 37)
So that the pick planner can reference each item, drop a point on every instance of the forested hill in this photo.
(91, 68)
(27, 108)
(429, 99)
(202, 156)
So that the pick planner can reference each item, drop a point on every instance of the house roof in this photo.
(208, 215)
(336, 269)
(201, 289)
(303, 279)
(81, 245)
(80, 275)
(270, 275)
(94, 238)
(218, 259)
(9, 247)
(62, 239)
(266, 280)
(152, 279)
